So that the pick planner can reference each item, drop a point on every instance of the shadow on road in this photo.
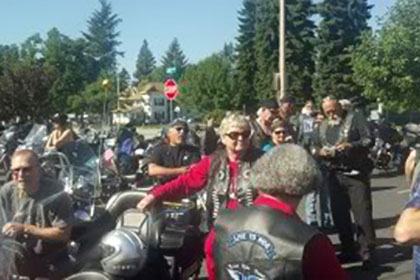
(385, 174)
(385, 222)
(387, 254)
(378, 189)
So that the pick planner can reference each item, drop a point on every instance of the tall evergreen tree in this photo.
(102, 37)
(246, 65)
(299, 47)
(174, 57)
(300, 38)
(339, 32)
(145, 62)
(266, 47)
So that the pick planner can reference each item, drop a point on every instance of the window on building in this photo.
(159, 102)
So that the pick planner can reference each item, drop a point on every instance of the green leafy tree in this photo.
(145, 62)
(9, 55)
(340, 29)
(102, 41)
(175, 58)
(209, 86)
(63, 57)
(246, 66)
(387, 62)
(24, 92)
(158, 74)
(31, 49)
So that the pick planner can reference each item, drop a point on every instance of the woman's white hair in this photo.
(233, 119)
(286, 170)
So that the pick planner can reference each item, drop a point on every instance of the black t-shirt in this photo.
(173, 157)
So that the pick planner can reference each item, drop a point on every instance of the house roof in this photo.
(136, 94)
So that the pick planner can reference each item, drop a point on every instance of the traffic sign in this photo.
(171, 89)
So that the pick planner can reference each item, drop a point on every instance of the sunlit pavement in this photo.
(390, 193)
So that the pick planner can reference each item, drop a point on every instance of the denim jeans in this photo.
(321, 194)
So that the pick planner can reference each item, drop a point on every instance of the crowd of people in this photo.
(253, 174)
(244, 172)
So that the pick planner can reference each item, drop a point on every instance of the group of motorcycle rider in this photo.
(253, 174)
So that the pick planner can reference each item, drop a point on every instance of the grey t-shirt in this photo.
(50, 206)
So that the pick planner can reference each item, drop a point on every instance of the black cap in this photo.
(269, 104)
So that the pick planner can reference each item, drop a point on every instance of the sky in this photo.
(201, 26)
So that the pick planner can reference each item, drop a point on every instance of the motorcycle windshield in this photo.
(85, 165)
(35, 140)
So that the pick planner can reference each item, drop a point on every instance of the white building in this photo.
(145, 104)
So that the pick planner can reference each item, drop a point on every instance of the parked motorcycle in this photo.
(165, 243)
(77, 167)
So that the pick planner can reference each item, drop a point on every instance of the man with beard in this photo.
(261, 127)
(35, 212)
(342, 143)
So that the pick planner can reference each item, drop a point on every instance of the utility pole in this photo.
(282, 50)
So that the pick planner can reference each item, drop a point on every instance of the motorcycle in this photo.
(76, 166)
(382, 154)
(162, 244)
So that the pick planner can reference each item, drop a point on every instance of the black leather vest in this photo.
(219, 181)
(258, 242)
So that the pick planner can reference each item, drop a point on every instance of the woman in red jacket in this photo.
(224, 175)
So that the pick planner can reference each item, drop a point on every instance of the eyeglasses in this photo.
(181, 128)
(24, 170)
(235, 135)
(278, 132)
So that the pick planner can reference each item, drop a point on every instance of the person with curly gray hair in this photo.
(268, 239)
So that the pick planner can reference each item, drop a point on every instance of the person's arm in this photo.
(185, 184)
(64, 138)
(49, 145)
(409, 167)
(407, 230)
(157, 170)
(50, 233)
(364, 131)
(182, 186)
(320, 262)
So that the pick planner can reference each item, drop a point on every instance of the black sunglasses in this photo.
(181, 128)
(278, 132)
(235, 135)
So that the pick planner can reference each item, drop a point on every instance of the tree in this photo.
(124, 77)
(266, 47)
(299, 47)
(175, 58)
(102, 41)
(24, 92)
(209, 87)
(246, 66)
(64, 59)
(145, 63)
(387, 62)
(300, 39)
(339, 31)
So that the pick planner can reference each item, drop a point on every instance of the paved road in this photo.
(390, 193)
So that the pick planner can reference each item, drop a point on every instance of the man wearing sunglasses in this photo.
(174, 155)
(36, 212)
